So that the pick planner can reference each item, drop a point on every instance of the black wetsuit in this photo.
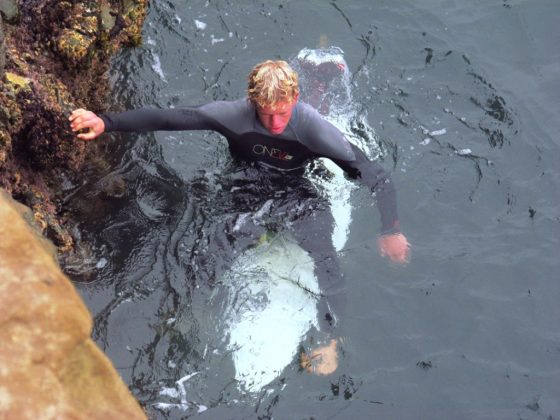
(307, 136)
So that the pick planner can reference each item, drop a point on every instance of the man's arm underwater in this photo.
(392, 243)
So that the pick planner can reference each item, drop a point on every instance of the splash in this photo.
(178, 394)
(325, 84)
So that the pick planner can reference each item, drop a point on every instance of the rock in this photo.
(76, 43)
(9, 10)
(53, 59)
(44, 221)
(73, 45)
(107, 20)
(5, 146)
(2, 49)
(49, 366)
(18, 82)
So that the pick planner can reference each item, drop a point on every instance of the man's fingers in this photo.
(76, 113)
(400, 257)
(76, 125)
(86, 124)
(80, 122)
(77, 122)
(81, 118)
(80, 126)
(90, 135)
(396, 247)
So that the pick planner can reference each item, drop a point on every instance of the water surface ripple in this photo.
(462, 97)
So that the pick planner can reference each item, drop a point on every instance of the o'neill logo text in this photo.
(262, 150)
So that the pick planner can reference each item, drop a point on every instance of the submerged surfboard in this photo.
(272, 299)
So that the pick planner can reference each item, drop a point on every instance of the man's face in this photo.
(276, 120)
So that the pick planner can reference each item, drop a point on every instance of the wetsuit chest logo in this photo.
(262, 150)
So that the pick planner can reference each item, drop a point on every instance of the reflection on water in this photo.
(457, 121)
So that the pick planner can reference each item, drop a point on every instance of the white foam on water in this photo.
(179, 393)
(200, 25)
(169, 392)
(156, 66)
(214, 40)
(322, 55)
(101, 263)
(438, 132)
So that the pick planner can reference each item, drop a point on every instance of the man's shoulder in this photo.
(231, 114)
(238, 106)
(308, 114)
(320, 136)
(312, 123)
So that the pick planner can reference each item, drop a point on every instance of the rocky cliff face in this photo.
(49, 366)
(54, 56)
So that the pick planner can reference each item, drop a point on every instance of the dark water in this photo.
(463, 98)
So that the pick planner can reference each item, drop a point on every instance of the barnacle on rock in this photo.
(16, 82)
(73, 45)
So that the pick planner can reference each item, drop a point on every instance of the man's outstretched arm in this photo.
(392, 243)
(139, 120)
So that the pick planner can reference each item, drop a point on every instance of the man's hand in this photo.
(394, 246)
(82, 118)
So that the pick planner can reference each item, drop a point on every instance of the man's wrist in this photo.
(106, 122)
(390, 231)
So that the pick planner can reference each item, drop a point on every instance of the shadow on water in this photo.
(455, 334)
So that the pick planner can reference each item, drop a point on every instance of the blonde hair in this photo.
(271, 82)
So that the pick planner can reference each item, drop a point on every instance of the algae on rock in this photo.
(54, 57)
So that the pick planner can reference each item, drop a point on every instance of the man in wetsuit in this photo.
(272, 129)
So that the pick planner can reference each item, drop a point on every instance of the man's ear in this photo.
(296, 96)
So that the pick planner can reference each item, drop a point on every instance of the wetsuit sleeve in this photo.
(153, 119)
(376, 178)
